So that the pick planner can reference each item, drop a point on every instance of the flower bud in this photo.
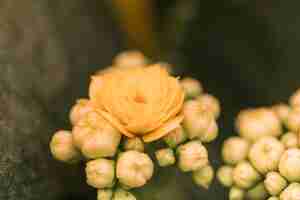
(175, 137)
(274, 183)
(62, 147)
(192, 156)
(289, 165)
(245, 176)
(79, 110)
(282, 111)
(204, 176)
(236, 193)
(211, 133)
(130, 59)
(293, 120)
(292, 192)
(265, 154)
(289, 140)
(121, 194)
(165, 157)
(135, 144)
(295, 99)
(224, 175)
(273, 198)
(196, 121)
(234, 150)
(96, 137)
(258, 192)
(134, 168)
(253, 124)
(210, 104)
(192, 87)
(100, 173)
(104, 194)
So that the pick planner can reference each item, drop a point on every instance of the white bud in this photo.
(210, 104)
(196, 121)
(80, 109)
(130, 59)
(175, 137)
(234, 150)
(289, 140)
(135, 144)
(292, 192)
(224, 175)
(121, 194)
(204, 176)
(192, 156)
(104, 194)
(245, 176)
(289, 164)
(253, 124)
(293, 120)
(134, 168)
(258, 192)
(236, 193)
(274, 183)
(265, 154)
(100, 173)
(295, 99)
(96, 137)
(192, 87)
(62, 147)
(211, 133)
(165, 157)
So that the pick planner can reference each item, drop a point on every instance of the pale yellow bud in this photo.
(289, 140)
(104, 194)
(96, 137)
(265, 154)
(192, 156)
(192, 87)
(282, 111)
(204, 176)
(234, 150)
(258, 192)
(121, 194)
(289, 164)
(236, 193)
(196, 121)
(100, 173)
(211, 133)
(253, 124)
(134, 168)
(62, 147)
(135, 143)
(210, 104)
(165, 157)
(224, 175)
(245, 176)
(295, 99)
(292, 192)
(274, 183)
(175, 137)
(293, 120)
(130, 59)
(80, 109)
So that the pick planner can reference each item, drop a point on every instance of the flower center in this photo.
(139, 98)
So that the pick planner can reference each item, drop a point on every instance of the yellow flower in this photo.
(139, 101)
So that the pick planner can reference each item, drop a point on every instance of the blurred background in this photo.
(244, 52)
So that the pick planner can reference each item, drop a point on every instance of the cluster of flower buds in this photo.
(114, 153)
(263, 162)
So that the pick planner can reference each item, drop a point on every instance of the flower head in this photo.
(245, 176)
(224, 175)
(292, 192)
(289, 164)
(234, 150)
(274, 183)
(139, 101)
